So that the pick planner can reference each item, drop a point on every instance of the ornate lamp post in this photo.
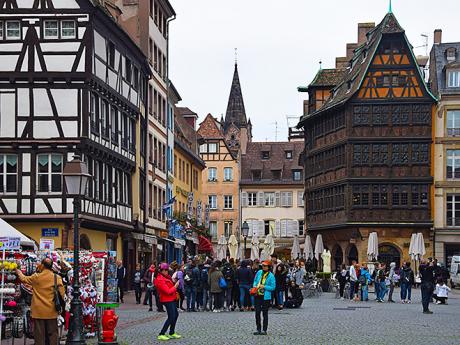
(245, 232)
(76, 178)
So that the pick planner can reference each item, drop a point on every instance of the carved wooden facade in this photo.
(368, 148)
(71, 82)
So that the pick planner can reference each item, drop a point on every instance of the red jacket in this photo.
(165, 288)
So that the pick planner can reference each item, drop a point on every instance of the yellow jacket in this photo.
(43, 293)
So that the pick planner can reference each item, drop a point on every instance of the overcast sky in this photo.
(280, 44)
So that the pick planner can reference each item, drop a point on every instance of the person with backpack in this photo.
(191, 282)
(265, 283)
(343, 277)
(364, 280)
(215, 278)
(229, 275)
(149, 279)
(178, 276)
(244, 278)
(381, 282)
(407, 279)
(204, 274)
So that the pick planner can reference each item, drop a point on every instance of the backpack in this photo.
(188, 276)
(228, 273)
(204, 276)
(362, 279)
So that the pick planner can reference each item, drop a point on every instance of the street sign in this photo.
(50, 232)
(10, 243)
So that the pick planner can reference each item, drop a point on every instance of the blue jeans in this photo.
(244, 291)
(206, 299)
(170, 322)
(427, 292)
(190, 296)
(364, 292)
(352, 289)
(406, 291)
(280, 295)
(382, 291)
(377, 289)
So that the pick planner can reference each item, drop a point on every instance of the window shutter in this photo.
(283, 228)
(277, 228)
(261, 228)
(289, 228)
(260, 199)
(289, 199)
(295, 228)
(244, 199)
(277, 199)
(300, 199)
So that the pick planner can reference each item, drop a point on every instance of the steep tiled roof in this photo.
(328, 77)
(363, 56)
(210, 128)
(235, 109)
(277, 160)
(186, 138)
(439, 62)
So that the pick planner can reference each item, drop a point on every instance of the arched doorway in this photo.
(352, 254)
(337, 254)
(85, 244)
(389, 253)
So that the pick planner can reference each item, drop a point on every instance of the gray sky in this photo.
(279, 46)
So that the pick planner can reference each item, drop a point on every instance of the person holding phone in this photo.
(167, 291)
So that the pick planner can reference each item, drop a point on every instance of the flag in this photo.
(167, 205)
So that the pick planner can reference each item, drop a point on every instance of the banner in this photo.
(199, 214)
(190, 199)
(10, 243)
(206, 217)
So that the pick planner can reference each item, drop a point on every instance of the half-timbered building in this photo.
(71, 82)
(368, 152)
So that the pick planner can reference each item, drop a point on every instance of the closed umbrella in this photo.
(372, 247)
(420, 246)
(269, 247)
(319, 247)
(222, 248)
(255, 251)
(233, 246)
(308, 249)
(412, 247)
(295, 251)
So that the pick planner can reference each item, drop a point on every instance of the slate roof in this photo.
(252, 160)
(235, 108)
(439, 62)
(186, 138)
(363, 56)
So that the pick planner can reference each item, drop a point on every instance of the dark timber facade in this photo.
(368, 151)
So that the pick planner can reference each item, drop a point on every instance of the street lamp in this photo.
(76, 178)
(245, 231)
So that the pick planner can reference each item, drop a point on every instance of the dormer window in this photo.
(297, 175)
(256, 175)
(265, 154)
(288, 154)
(450, 54)
(276, 174)
(453, 78)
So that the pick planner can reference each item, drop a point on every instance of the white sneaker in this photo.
(409, 302)
(438, 302)
(342, 299)
(215, 311)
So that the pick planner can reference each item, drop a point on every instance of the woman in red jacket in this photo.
(168, 292)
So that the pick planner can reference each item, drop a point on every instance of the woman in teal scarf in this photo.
(265, 283)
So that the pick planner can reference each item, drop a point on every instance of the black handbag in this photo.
(58, 301)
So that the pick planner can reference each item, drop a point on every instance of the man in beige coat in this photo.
(43, 309)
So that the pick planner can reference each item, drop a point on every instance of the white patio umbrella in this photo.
(295, 251)
(372, 246)
(413, 246)
(421, 251)
(308, 249)
(233, 246)
(255, 250)
(222, 248)
(319, 247)
(269, 247)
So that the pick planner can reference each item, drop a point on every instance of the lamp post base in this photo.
(75, 336)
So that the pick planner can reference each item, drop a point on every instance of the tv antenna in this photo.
(276, 130)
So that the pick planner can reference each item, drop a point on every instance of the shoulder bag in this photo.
(58, 301)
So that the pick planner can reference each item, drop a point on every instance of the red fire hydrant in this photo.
(109, 322)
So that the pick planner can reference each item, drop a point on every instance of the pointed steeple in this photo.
(390, 8)
(235, 109)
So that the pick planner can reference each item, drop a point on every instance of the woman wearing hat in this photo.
(168, 294)
(265, 283)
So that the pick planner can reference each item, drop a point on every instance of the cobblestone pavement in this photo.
(322, 320)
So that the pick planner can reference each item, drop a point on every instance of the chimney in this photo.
(341, 62)
(350, 48)
(437, 36)
(363, 29)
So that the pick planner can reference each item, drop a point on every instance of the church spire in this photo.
(235, 109)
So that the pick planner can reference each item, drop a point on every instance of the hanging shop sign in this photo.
(206, 216)
(190, 199)
(150, 239)
(10, 243)
(199, 213)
